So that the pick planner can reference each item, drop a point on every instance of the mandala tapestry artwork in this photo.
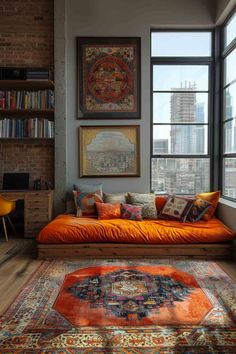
(109, 77)
(123, 307)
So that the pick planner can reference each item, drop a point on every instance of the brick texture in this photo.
(27, 40)
(36, 158)
(27, 33)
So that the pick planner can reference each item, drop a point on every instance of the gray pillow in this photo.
(147, 201)
(85, 187)
(114, 198)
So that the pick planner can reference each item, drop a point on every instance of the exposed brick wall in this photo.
(36, 158)
(27, 33)
(27, 40)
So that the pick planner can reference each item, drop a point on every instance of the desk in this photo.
(37, 208)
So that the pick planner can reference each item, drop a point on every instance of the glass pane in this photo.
(230, 101)
(180, 139)
(180, 175)
(230, 30)
(229, 178)
(230, 136)
(230, 67)
(182, 44)
(180, 77)
(180, 107)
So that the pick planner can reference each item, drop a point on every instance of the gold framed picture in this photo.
(109, 151)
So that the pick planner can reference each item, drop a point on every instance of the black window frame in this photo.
(193, 60)
(225, 50)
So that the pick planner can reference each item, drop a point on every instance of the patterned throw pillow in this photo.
(213, 198)
(114, 198)
(198, 209)
(85, 203)
(108, 211)
(90, 188)
(146, 201)
(131, 212)
(176, 208)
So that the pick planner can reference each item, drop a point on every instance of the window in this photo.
(229, 109)
(181, 111)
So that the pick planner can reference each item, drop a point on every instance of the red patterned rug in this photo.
(160, 307)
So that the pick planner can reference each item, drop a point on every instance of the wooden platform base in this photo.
(122, 250)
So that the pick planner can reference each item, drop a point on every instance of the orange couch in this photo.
(68, 229)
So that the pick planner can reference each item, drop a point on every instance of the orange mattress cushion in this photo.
(70, 229)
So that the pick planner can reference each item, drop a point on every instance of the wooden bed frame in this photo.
(224, 250)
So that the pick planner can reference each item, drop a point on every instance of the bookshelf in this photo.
(26, 110)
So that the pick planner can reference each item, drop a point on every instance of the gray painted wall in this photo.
(110, 18)
(226, 212)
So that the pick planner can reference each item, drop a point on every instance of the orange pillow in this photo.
(160, 202)
(213, 198)
(108, 211)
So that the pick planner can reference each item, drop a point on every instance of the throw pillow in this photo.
(85, 203)
(108, 211)
(114, 198)
(176, 208)
(146, 201)
(90, 188)
(131, 212)
(213, 198)
(160, 202)
(198, 209)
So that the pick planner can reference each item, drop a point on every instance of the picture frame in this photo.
(109, 77)
(109, 151)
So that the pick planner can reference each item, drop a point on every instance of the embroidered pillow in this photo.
(108, 211)
(146, 201)
(176, 208)
(85, 203)
(131, 212)
(114, 198)
(213, 198)
(198, 209)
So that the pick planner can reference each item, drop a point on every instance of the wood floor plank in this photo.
(18, 262)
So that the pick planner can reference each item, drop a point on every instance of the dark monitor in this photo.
(15, 181)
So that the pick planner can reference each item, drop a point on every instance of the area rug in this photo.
(155, 306)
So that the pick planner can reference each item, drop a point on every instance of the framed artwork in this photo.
(109, 151)
(109, 77)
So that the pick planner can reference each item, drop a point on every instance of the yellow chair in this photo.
(6, 207)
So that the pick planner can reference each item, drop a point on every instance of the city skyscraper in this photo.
(160, 146)
(186, 139)
(183, 175)
(229, 139)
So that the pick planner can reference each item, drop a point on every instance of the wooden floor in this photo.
(18, 260)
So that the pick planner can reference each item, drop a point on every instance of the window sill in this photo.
(227, 202)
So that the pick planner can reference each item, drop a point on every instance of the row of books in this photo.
(40, 99)
(26, 128)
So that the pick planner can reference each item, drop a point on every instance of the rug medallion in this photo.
(166, 306)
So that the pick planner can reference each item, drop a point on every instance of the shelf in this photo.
(26, 84)
(27, 112)
(26, 140)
